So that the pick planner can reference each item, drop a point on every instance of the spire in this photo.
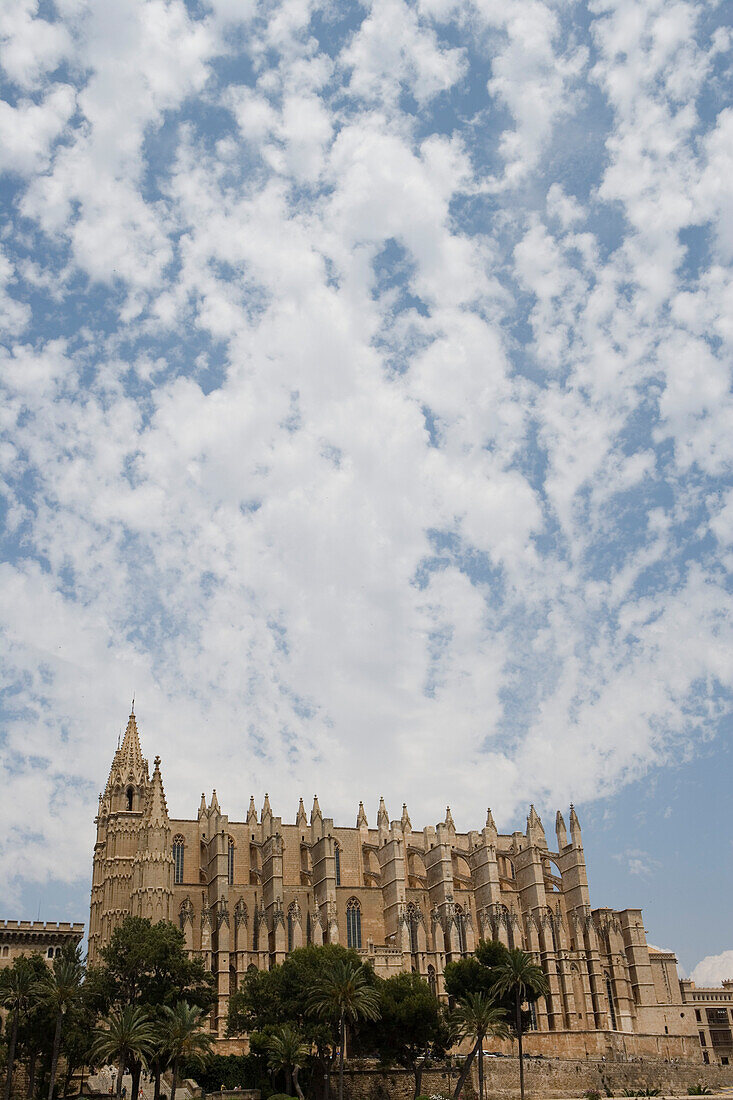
(214, 802)
(252, 811)
(449, 819)
(202, 807)
(575, 833)
(156, 810)
(560, 831)
(316, 811)
(405, 821)
(535, 829)
(382, 816)
(266, 808)
(301, 818)
(491, 826)
(361, 817)
(130, 753)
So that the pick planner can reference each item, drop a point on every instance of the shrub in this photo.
(592, 1094)
(699, 1090)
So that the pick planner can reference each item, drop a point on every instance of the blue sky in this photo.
(366, 413)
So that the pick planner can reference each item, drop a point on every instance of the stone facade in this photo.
(713, 1010)
(26, 937)
(246, 892)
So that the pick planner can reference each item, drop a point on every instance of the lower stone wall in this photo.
(545, 1079)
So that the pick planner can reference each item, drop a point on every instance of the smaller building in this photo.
(713, 1010)
(28, 937)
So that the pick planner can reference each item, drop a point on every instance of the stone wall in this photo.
(545, 1079)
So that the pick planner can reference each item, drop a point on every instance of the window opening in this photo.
(179, 846)
(353, 923)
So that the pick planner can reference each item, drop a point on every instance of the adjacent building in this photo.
(246, 892)
(27, 937)
(713, 1009)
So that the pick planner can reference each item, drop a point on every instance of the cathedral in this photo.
(245, 893)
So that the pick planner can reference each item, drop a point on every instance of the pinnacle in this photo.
(316, 811)
(130, 753)
(361, 817)
(156, 809)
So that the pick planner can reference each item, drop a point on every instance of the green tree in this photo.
(128, 1039)
(62, 992)
(344, 993)
(34, 1028)
(185, 1038)
(518, 977)
(287, 1054)
(411, 1030)
(147, 965)
(475, 1017)
(20, 991)
(266, 999)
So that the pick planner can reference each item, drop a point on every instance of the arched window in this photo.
(291, 924)
(308, 931)
(432, 981)
(129, 796)
(337, 859)
(353, 923)
(551, 920)
(49, 953)
(611, 1005)
(179, 847)
(461, 926)
(412, 922)
(509, 925)
(230, 864)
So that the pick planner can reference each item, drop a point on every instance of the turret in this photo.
(575, 833)
(152, 871)
(535, 829)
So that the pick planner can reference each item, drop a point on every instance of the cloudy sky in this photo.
(366, 413)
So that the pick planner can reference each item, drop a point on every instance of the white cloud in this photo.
(713, 969)
(331, 451)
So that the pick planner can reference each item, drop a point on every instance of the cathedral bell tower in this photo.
(119, 821)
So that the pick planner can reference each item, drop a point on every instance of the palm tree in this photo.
(287, 1052)
(128, 1037)
(519, 976)
(477, 1016)
(19, 992)
(184, 1037)
(62, 989)
(344, 994)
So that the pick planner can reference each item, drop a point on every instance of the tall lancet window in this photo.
(337, 859)
(230, 865)
(353, 923)
(179, 847)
